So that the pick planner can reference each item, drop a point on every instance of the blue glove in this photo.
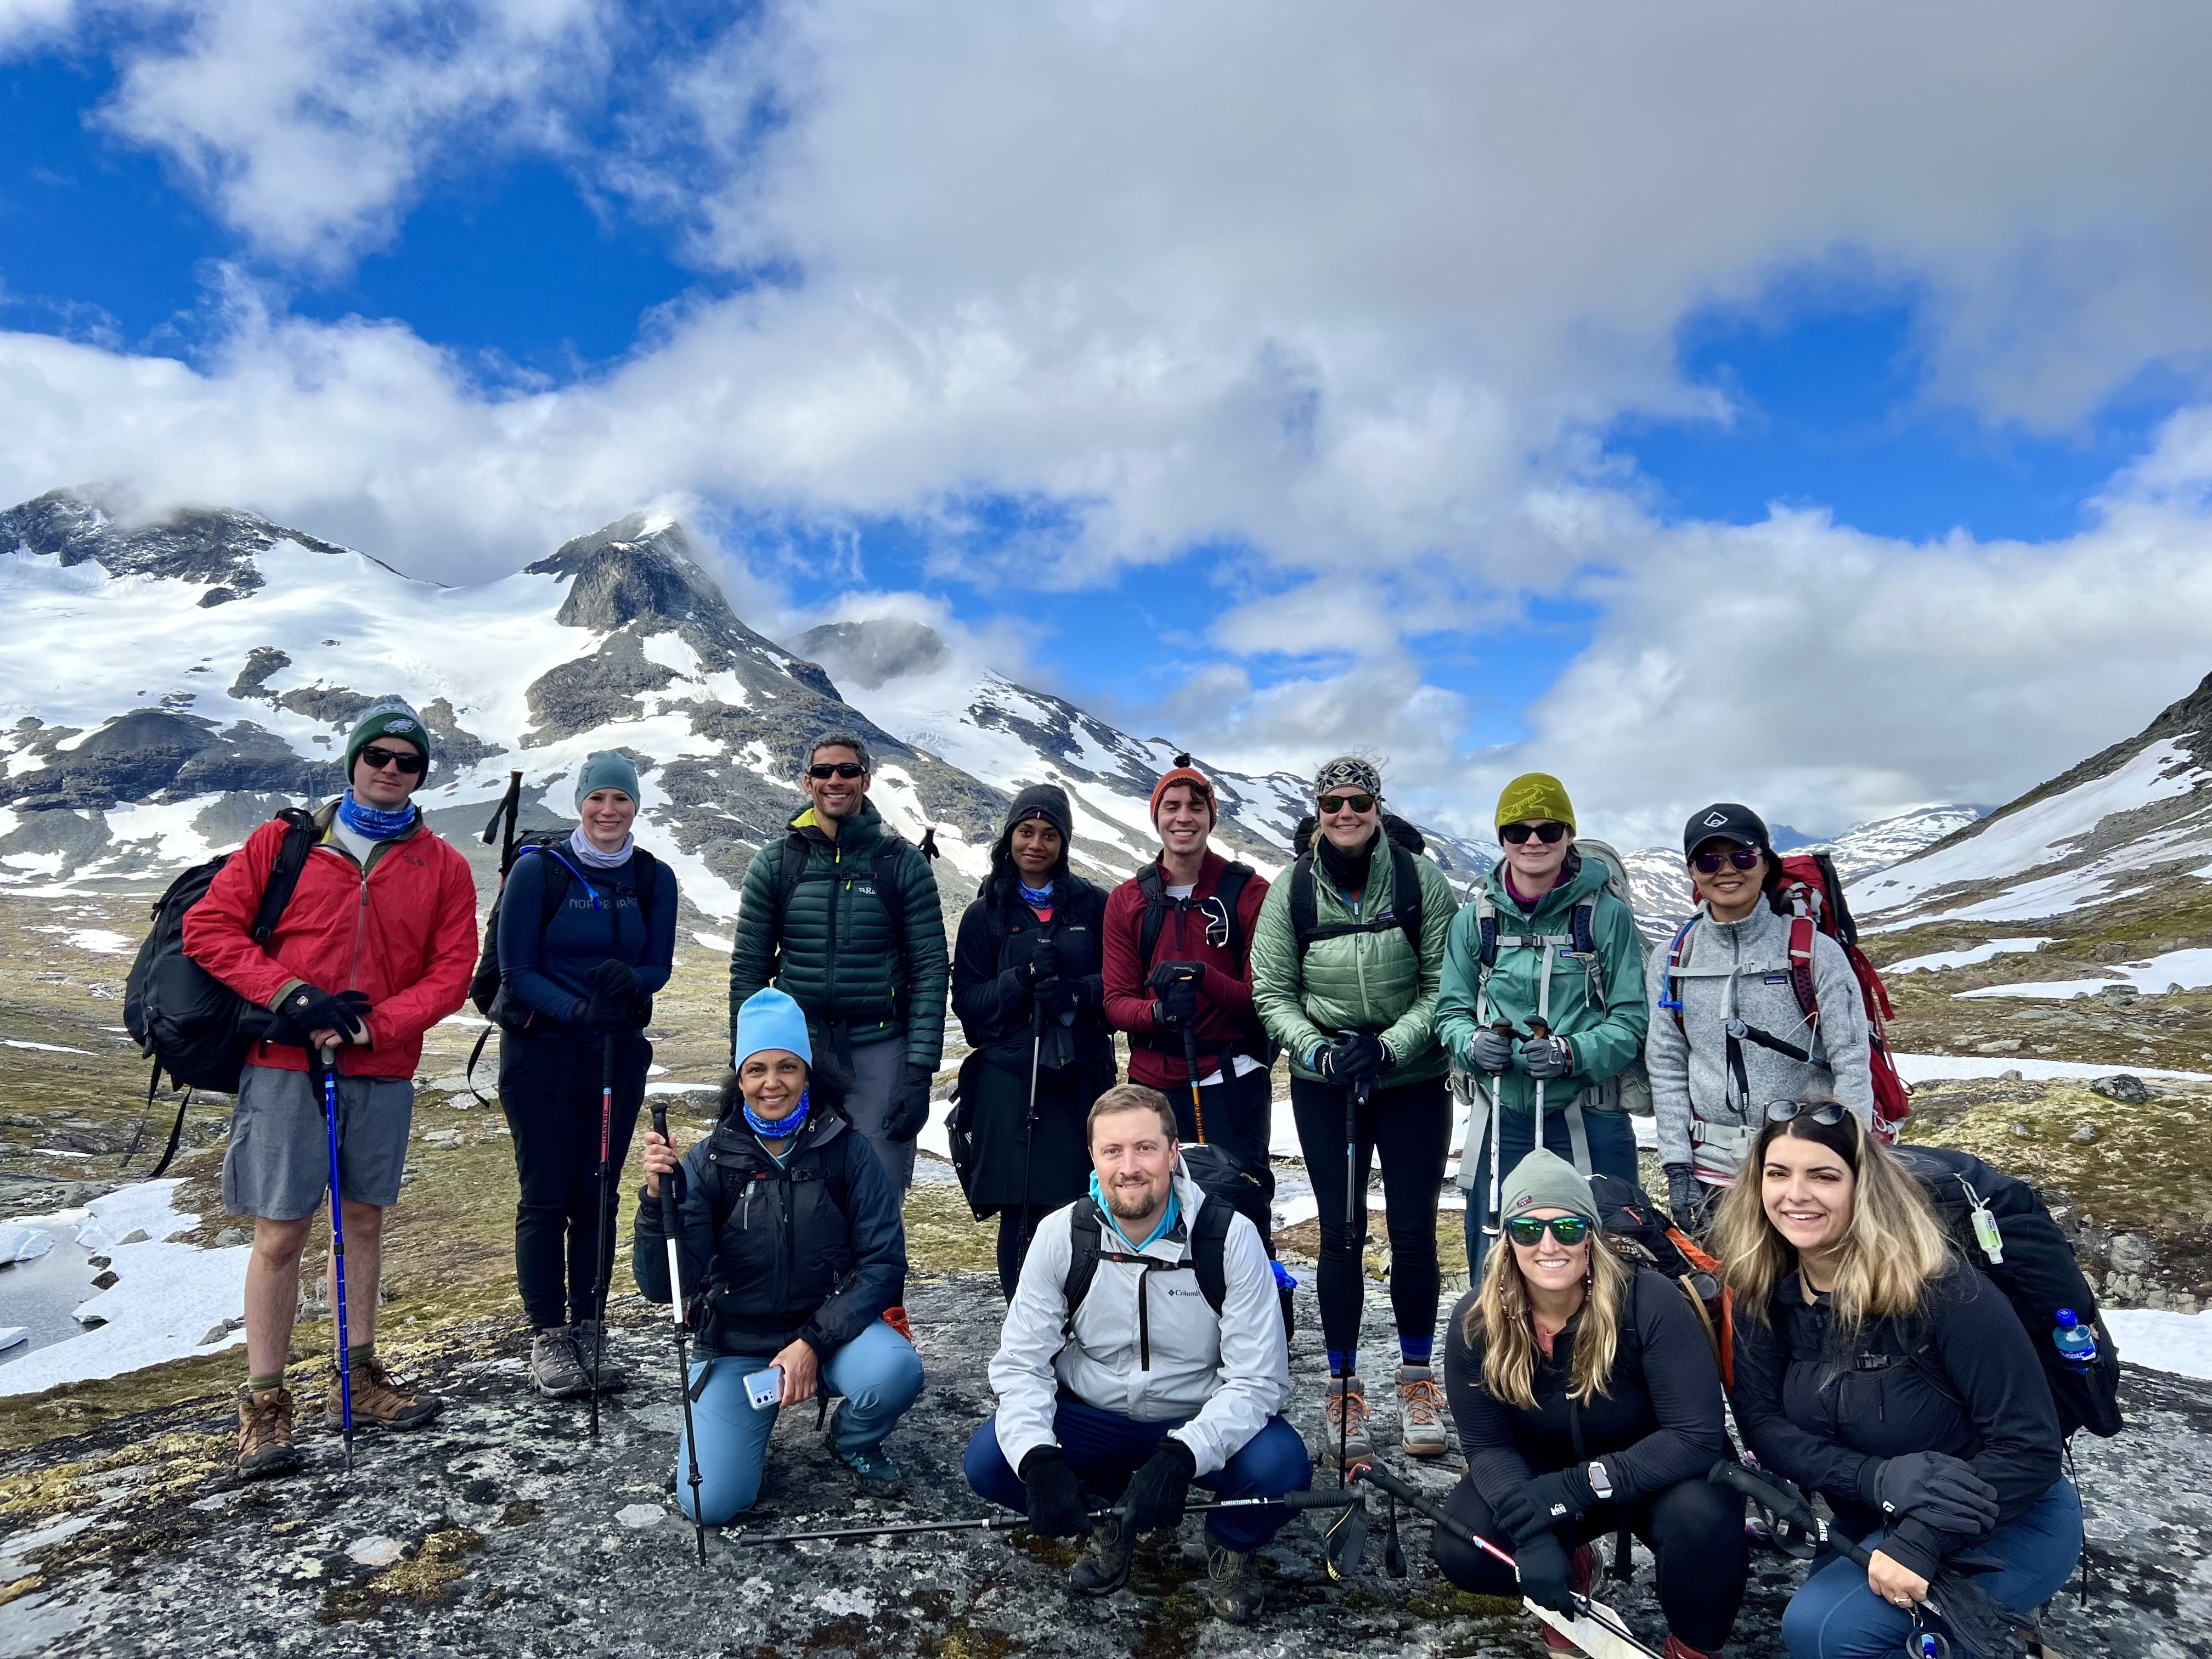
(1547, 1059)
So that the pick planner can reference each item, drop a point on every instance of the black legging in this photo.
(548, 1087)
(1408, 1128)
(1695, 1529)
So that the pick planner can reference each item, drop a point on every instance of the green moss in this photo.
(943, 1236)
(422, 1578)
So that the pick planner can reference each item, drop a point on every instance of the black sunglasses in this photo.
(1550, 833)
(1831, 1114)
(1744, 858)
(1357, 803)
(836, 769)
(1528, 1230)
(407, 761)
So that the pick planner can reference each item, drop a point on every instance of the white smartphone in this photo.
(764, 1389)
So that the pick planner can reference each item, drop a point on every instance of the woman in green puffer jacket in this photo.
(1355, 1007)
(1524, 1041)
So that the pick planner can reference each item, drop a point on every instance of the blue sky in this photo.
(1153, 406)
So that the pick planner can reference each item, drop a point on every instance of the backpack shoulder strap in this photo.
(1486, 929)
(1209, 1241)
(1801, 969)
(1083, 1240)
(300, 836)
(889, 894)
(1155, 893)
(1678, 953)
(791, 865)
(1304, 915)
(1582, 934)
(1406, 895)
(1229, 889)
(644, 870)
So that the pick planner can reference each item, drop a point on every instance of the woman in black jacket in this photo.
(1027, 988)
(1586, 1393)
(1874, 1365)
(794, 1253)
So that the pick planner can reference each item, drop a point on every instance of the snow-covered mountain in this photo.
(911, 682)
(166, 686)
(2135, 815)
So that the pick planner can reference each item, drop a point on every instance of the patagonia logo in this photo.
(1782, 978)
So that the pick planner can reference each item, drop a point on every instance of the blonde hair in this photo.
(1893, 1247)
(1501, 1316)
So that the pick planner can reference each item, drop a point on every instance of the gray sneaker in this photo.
(589, 1349)
(553, 1368)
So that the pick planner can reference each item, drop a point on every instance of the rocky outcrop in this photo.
(150, 754)
(214, 548)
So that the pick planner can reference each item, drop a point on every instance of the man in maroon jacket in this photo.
(1195, 910)
(375, 947)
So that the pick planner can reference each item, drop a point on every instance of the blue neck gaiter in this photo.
(1037, 898)
(1167, 1219)
(777, 1128)
(372, 824)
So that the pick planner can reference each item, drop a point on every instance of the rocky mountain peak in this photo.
(867, 654)
(213, 549)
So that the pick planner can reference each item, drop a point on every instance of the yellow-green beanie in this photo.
(1535, 795)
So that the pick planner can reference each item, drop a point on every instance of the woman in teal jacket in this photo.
(1541, 1005)
(1340, 983)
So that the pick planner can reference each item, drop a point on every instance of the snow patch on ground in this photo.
(1939, 961)
(99, 940)
(2190, 970)
(1930, 1068)
(42, 1048)
(2177, 1342)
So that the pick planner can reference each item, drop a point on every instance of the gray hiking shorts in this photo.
(279, 1161)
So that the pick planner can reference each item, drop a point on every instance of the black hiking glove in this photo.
(1055, 1502)
(1532, 1509)
(1544, 1574)
(1939, 1491)
(1044, 961)
(1688, 1198)
(1175, 984)
(614, 979)
(1356, 1060)
(1492, 1052)
(910, 1106)
(1058, 996)
(602, 1012)
(1547, 1059)
(307, 1009)
(1158, 1490)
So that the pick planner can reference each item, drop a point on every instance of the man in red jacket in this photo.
(375, 947)
(1197, 911)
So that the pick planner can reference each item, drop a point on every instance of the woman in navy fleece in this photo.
(586, 933)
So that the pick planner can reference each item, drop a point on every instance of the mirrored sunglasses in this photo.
(1550, 833)
(1831, 1113)
(1526, 1230)
(1744, 858)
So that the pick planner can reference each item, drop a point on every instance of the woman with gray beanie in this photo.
(1029, 993)
(586, 935)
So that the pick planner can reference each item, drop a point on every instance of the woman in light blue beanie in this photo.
(586, 936)
(791, 1233)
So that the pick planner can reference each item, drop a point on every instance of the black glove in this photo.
(1055, 1502)
(1544, 1574)
(1547, 1059)
(1492, 1052)
(1044, 961)
(602, 1012)
(1687, 1198)
(305, 1009)
(1931, 1488)
(910, 1107)
(615, 980)
(1357, 1059)
(1158, 1490)
(1175, 984)
(1532, 1509)
(1059, 996)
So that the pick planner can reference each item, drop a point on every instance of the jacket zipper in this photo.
(829, 997)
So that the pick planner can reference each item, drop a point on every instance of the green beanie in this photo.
(1535, 795)
(387, 717)
(1545, 1181)
(606, 769)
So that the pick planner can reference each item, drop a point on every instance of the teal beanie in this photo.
(606, 769)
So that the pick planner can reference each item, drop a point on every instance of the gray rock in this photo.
(2084, 1133)
(2132, 1254)
(231, 1238)
(2124, 1086)
(2021, 1131)
(136, 1235)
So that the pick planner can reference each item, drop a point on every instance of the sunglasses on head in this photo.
(1529, 1230)
(1781, 1111)
(1357, 803)
(836, 769)
(377, 757)
(1550, 833)
(1744, 858)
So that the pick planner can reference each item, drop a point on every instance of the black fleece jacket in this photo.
(1658, 1424)
(1960, 1377)
(991, 991)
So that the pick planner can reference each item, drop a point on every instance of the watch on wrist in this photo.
(1601, 1482)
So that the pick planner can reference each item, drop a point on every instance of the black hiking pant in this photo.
(1409, 1128)
(548, 1087)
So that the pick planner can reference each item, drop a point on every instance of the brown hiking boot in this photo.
(1420, 1413)
(377, 1403)
(1345, 1394)
(264, 1433)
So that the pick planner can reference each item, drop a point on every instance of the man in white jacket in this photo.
(1143, 1350)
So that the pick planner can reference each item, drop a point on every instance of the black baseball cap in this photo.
(1725, 821)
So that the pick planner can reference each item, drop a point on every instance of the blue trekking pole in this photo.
(337, 1254)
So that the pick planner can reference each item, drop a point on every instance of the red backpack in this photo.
(1811, 894)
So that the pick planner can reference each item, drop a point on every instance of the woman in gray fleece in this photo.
(1727, 1035)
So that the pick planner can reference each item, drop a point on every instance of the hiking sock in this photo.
(263, 1384)
(359, 1355)
(1416, 1350)
(1343, 1362)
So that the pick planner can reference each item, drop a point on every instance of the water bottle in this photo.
(2076, 1343)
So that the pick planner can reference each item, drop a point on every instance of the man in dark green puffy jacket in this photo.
(842, 915)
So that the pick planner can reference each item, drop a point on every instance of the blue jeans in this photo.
(878, 1372)
(1836, 1616)
(1612, 1152)
(1105, 1449)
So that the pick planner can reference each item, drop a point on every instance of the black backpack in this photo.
(1406, 843)
(2037, 1271)
(1086, 1237)
(188, 1022)
(1228, 892)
